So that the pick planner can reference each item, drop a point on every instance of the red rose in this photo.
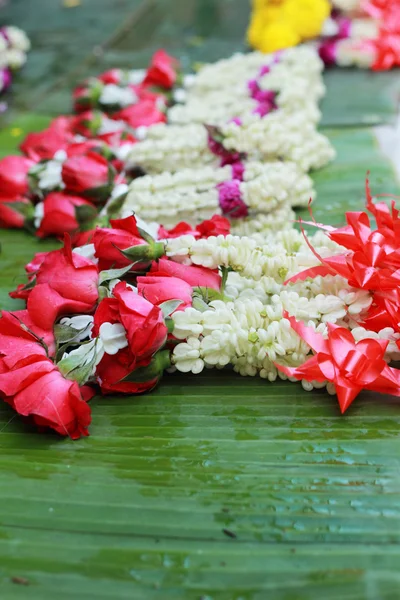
(80, 148)
(81, 99)
(111, 76)
(13, 216)
(146, 331)
(64, 214)
(162, 70)
(66, 283)
(82, 238)
(36, 389)
(86, 123)
(143, 114)
(161, 289)
(116, 139)
(63, 124)
(31, 383)
(14, 176)
(44, 144)
(31, 268)
(16, 342)
(217, 225)
(195, 276)
(84, 173)
(112, 369)
(181, 228)
(107, 242)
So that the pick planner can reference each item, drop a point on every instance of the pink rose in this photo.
(162, 71)
(145, 113)
(82, 174)
(159, 289)
(14, 176)
(107, 242)
(64, 213)
(44, 144)
(146, 331)
(66, 283)
(195, 276)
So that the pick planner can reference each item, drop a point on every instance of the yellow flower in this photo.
(278, 24)
(277, 36)
(306, 16)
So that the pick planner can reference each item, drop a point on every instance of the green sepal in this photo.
(144, 252)
(113, 208)
(85, 214)
(113, 273)
(160, 361)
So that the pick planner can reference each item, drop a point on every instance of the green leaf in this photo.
(79, 364)
(169, 307)
(158, 364)
(23, 208)
(105, 276)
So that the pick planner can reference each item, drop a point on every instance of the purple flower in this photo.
(230, 199)
(238, 170)
(5, 79)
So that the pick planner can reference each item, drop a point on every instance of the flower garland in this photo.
(236, 190)
(85, 161)
(115, 308)
(14, 45)
(284, 81)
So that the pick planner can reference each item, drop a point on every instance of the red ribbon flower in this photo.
(350, 366)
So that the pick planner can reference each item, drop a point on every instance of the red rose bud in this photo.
(20, 337)
(36, 389)
(181, 228)
(142, 114)
(89, 174)
(31, 383)
(144, 324)
(111, 76)
(112, 371)
(195, 276)
(123, 244)
(162, 71)
(82, 148)
(66, 284)
(87, 123)
(44, 144)
(158, 289)
(14, 176)
(63, 213)
(217, 225)
(16, 212)
(24, 289)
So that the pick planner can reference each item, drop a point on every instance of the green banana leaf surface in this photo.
(212, 487)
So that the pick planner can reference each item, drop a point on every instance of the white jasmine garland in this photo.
(193, 194)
